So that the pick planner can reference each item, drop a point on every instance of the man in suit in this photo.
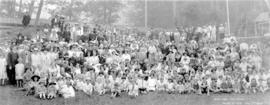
(12, 60)
(26, 20)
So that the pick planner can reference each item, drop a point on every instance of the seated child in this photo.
(179, 87)
(143, 84)
(195, 86)
(88, 89)
(171, 87)
(124, 84)
(32, 85)
(152, 83)
(213, 86)
(226, 86)
(99, 85)
(204, 86)
(236, 85)
(161, 85)
(67, 91)
(187, 87)
(262, 85)
(51, 90)
(41, 90)
(27, 77)
(133, 89)
(253, 85)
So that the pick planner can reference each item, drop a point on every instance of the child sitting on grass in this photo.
(51, 90)
(171, 87)
(99, 84)
(67, 91)
(161, 85)
(88, 88)
(32, 85)
(133, 88)
(41, 90)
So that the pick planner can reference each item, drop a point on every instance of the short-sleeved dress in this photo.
(19, 70)
(3, 73)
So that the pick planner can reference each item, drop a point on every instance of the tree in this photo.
(104, 12)
(20, 9)
(39, 11)
(31, 7)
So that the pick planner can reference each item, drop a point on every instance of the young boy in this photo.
(19, 69)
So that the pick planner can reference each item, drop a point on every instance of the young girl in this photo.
(152, 83)
(3, 73)
(253, 85)
(179, 86)
(133, 89)
(99, 84)
(51, 90)
(19, 69)
(67, 91)
(41, 90)
(161, 85)
(88, 88)
(32, 85)
(171, 86)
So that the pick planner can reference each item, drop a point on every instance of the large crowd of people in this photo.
(58, 62)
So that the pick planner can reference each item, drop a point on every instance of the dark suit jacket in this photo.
(12, 59)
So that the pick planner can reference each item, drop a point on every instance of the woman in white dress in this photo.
(3, 73)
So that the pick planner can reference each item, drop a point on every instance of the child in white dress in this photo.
(3, 73)
(88, 88)
(133, 89)
(99, 84)
(67, 91)
(19, 70)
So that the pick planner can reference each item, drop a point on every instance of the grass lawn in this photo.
(12, 96)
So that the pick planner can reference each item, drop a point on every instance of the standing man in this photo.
(12, 60)
(26, 19)
(54, 21)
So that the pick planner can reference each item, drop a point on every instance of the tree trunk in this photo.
(20, 9)
(12, 8)
(39, 11)
(31, 7)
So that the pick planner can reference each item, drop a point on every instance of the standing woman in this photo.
(12, 60)
(3, 73)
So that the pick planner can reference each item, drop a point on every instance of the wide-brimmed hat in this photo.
(52, 83)
(35, 76)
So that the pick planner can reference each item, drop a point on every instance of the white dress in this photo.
(3, 73)
(19, 70)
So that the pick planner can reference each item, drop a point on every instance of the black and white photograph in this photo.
(134, 52)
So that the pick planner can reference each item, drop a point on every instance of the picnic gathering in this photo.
(63, 58)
